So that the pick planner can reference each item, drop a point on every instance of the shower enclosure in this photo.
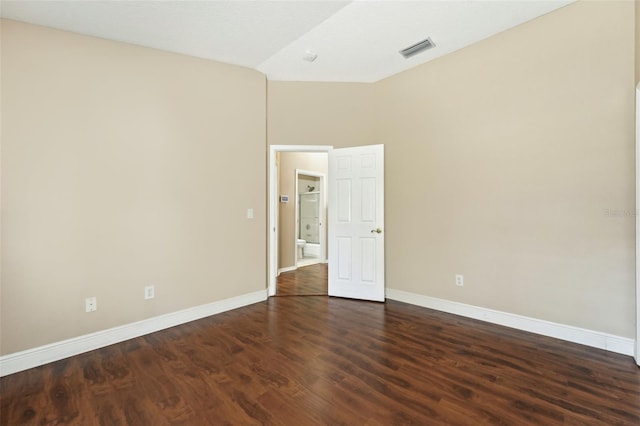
(309, 222)
(311, 233)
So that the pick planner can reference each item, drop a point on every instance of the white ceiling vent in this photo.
(417, 48)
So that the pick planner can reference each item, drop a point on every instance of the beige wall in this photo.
(523, 142)
(336, 114)
(502, 161)
(121, 167)
(288, 163)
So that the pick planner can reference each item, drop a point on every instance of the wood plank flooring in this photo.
(329, 361)
(306, 281)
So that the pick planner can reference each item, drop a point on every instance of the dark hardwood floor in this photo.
(305, 281)
(329, 361)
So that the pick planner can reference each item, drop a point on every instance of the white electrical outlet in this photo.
(90, 304)
(459, 280)
(150, 292)
(249, 213)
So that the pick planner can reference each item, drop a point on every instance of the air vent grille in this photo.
(417, 48)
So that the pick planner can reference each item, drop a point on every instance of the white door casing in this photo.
(273, 205)
(356, 223)
(637, 348)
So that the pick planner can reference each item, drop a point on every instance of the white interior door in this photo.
(356, 222)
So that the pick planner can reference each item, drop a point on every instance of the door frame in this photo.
(322, 213)
(272, 195)
(637, 345)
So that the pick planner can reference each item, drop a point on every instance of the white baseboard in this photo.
(596, 339)
(287, 269)
(19, 361)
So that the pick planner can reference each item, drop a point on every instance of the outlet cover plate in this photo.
(91, 304)
(150, 292)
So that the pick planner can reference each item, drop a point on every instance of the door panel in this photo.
(344, 200)
(344, 258)
(356, 221)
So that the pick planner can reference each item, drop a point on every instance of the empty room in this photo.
(466, 249)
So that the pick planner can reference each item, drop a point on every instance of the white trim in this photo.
(19, 361)
(596, 339)
(273, 205)
(637, 346)
(287, 269)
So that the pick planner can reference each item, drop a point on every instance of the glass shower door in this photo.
(310, 217)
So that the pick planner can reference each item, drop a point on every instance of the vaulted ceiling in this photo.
(354, 41)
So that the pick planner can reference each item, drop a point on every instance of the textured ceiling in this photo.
(354, 40)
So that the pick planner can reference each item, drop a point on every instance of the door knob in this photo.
(377, 231)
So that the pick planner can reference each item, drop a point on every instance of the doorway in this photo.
(356, 220)
(277, 198)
